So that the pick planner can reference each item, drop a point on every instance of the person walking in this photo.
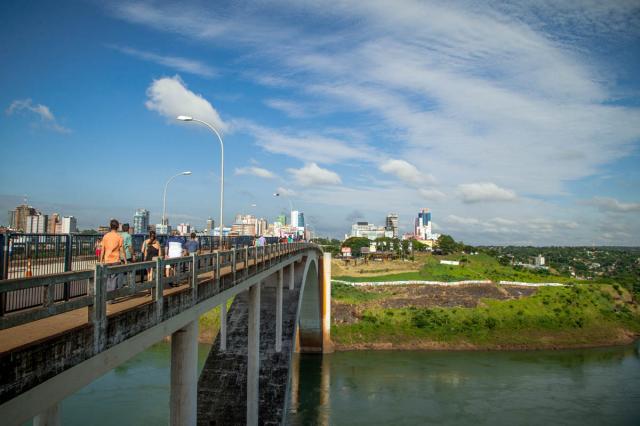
(98, 247)
(173, 250)
(127, 243)
(151, 249)
(191, 245)
(112, 252)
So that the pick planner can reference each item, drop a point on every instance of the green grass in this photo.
(579, 314)
(211, 320)
(349, 294)
(478, 267)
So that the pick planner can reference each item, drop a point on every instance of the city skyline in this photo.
(522, 129)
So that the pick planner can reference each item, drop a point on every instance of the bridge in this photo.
(281, 305)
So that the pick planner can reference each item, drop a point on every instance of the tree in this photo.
(447, 244)
(356, 243)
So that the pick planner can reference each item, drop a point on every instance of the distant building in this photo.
(69, 225)
(423, 230)
(54, 226)
(141, 221)
(19, 216)
(37, 224)
(163, 229)
(391, 224)
(261, 226)
(210, 226)
(281, 219)
(297, 222)
(184, 229)
(369, 230)
(245, 225)
(539, 260)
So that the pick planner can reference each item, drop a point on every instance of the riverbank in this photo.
(482, 317)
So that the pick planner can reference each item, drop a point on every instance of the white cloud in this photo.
(170, 97)
(286, 192)
(42, 111)
(485, 191)
(256, 171)
(176, 62)
(612, 205)
(313, 175)
(405, 171)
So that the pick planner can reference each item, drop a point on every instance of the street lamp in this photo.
(164, 194)
(213, 129)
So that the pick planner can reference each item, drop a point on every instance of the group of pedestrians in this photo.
(116, 247)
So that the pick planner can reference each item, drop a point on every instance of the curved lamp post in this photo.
(213, 129)
(164, 194)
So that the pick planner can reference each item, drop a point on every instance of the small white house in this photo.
(450, 262)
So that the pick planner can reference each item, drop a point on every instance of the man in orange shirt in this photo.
(112, 245)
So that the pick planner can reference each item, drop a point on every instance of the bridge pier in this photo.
(184, 375)
(51, 417)
(292, 268)
(325, 285)
(253, 356)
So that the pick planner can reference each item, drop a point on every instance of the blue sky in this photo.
(515, 124)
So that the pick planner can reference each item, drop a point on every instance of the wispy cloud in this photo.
(255, 171)
(178, 63)
(42, 111)
(613, 205)
(170, 97)
(290, 108)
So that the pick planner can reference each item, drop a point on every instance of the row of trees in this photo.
(445, 244)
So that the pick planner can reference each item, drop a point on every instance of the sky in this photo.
(513, 124)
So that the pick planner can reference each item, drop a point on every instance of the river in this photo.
(582, 387)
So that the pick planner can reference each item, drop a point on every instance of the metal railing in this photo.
(46, 295)
(24, 255)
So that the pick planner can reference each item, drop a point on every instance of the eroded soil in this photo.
(426, 296)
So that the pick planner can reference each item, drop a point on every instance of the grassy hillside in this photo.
(478, 267)
(579, 315)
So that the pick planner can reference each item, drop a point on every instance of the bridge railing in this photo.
(109, 282)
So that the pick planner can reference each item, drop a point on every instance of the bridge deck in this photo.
(37, 331)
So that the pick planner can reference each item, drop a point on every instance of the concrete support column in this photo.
(279, 310)
(253, 354)
(184, 376)
(325, 285)
(51, 417)
(223, 326)
(292, 269)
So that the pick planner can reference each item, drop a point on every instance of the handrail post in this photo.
(217, 274)
(98, 310)
(194, 278)
(234, 267)
(159, 289)
(246, 261)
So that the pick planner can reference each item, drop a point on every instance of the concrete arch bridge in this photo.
(281, 305)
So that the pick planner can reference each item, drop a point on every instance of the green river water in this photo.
(581, 387)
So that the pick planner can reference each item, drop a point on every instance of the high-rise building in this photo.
(245, 225)
(423, 229)
(210, 226)
(162, 229)
(281, 219)
(69, 225)
(391, 224)
(19, 217)
(297, 221)
(37, 224)
(54, 224)
(261, 226)
(141, 221)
